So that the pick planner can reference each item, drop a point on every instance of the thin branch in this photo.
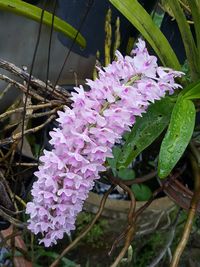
(5, 239)
(32, 107)
(164, 185)
(5, 182)
(128, 240)
(86, 230)
(30, 116)
(142, 179)
(18, 136)
(191, 214)
(13, 147)
(129, 191)
(34, 82)
(152, 229)
(117, 240)
(3, 93)
(148, 203)
(131, 227)
(21, 87)
(170, 239)
(13, 213)
(25, 164)
(12, 220)
(42, 114)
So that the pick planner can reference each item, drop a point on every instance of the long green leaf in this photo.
(192, 91)
(177, 137)
(137, 15)
(195, 9)
(145, 131)
(32, 12)
(188, 40)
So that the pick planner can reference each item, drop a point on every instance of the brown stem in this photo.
(31, 116)
(129, 238)
(12, 220)
(117, 240)
(5, 239)
(18, 136)
(4, 157)
(129, 191)
(25, 164)
(129, 232)
(59, 91)
(21, 87)
(170, 238)
(191, 214)
(148, 203)
(31, 107)
(86, 230)
(142, 179)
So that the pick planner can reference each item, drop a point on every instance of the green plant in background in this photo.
(95, 237)
(109, 47)
(143, 256)
(21, 8)
(142, 192)
(41, 254)
(143, 22)
(181, 116)
(176, 112)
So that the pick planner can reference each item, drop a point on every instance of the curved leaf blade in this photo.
(145, 131)
(32, 12)
(192, 91)
(177, 137)
(143, 22)
(195, 9)
(188, 40)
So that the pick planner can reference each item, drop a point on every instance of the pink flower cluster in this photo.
(86, 135)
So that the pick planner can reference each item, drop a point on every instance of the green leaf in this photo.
(195, 9)
(145, 131)
(69, 263)
(126, 174)
(142, 192)
(116, 151)
(21, 8)
(54, 255)
(188, 40)
(143, 22)
(177, 137)
(192, 91)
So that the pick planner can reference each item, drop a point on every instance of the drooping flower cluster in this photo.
(86, 135)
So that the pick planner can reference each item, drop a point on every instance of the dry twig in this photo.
(170, 239)
(32, 107)
(129, 232)
(12, 220)
(18, 136)
(191, 214)
(58, 92)
(142, 179)
(21, 87)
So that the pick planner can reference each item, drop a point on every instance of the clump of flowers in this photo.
(85, 137)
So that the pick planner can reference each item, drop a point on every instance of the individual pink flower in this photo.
(85, 137)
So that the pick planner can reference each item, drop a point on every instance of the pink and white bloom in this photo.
(85, 137)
